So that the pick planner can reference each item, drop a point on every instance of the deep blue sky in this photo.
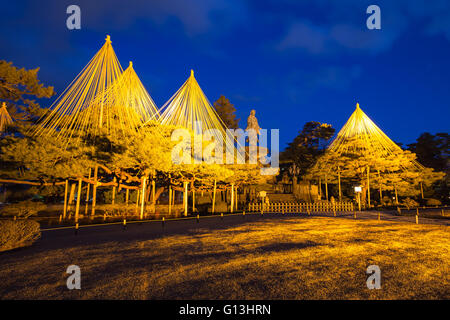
(292, 61)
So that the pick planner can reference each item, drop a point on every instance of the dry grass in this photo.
(315, 258)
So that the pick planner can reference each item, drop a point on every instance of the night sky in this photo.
(292, 61)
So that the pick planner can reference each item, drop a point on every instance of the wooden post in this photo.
(87, 194)
(320, 189)
(170, 199)
(381, 192)
(396, 195)
(339, 182)
(326, 187)
(65, 199)
(214, 196)
(137, 201)
(114, 192)
(368, 186)
(143, 198)
(94, 191)
(127, 196)
(236, 196)
(359, 201)
(153, 192)
(421, 188)
(71, 196)
(193, 196)
(185, 198)
(77, 208)
(232, 198)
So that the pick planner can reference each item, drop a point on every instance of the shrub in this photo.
(410, 203)
(18, 233)
(386, 201)
(433, 202)
(23, 209)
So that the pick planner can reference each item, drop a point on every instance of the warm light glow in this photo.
(5, 118)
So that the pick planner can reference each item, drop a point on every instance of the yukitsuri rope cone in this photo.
(367, 137)
(65, 116)
(189, 106)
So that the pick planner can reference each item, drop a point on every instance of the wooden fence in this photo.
(299, 207)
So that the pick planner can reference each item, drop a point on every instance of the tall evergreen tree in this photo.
(226, 112)
(18, 87)
(308, 145)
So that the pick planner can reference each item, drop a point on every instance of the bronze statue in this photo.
(252, 122)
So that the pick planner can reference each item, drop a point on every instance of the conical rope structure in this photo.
(189, 106)
(360, 135)
(64, 117)
(126, 106)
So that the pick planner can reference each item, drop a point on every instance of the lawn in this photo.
(286, 258)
